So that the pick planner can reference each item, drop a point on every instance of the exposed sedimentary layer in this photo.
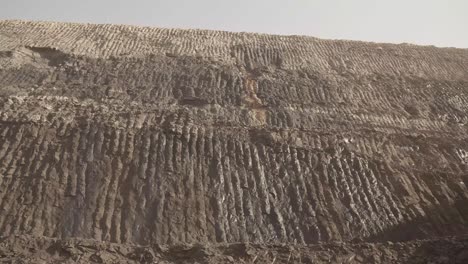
(144, 135)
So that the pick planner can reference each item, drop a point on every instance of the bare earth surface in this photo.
(136, 144)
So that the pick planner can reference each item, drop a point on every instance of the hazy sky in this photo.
(430, 22)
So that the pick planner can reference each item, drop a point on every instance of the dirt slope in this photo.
(144, 135)
(28, 249)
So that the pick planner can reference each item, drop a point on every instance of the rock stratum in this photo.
(181, 146)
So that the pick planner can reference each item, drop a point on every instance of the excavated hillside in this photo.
(149, 144)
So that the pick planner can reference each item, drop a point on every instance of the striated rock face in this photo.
(145, 135)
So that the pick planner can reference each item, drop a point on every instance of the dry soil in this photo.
(134, 144)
